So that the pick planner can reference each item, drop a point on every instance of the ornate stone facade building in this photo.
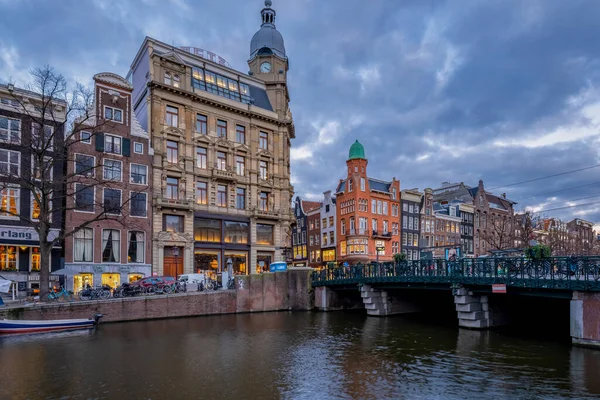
(222, 186)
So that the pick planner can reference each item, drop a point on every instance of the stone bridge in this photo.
(479, 287)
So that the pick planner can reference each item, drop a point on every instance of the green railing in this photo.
(562, 273)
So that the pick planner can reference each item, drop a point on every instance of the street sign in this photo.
(380, 248)
(499, 288)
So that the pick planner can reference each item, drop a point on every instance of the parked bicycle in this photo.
(57, 295)
(98, 293)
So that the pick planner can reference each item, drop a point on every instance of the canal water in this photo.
(295, 356)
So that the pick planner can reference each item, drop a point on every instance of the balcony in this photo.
(358, 232)
(163, 202)
(224, 175)
(266, 214)
(382, 235)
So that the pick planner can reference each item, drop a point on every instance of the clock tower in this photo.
(268, 60)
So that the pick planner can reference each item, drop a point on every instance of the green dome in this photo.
(356, 151)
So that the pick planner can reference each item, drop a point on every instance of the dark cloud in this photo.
(437, 91)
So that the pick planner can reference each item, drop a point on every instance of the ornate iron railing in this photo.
(562, 273)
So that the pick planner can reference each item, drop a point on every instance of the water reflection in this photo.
(293, 356)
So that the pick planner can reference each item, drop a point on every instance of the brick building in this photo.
(222, 142)
(313, 218)
(411, 222)
(19, 241)
(328, 224)
(368, 213)
(112, 179)
(427, 223)
(300, 229)
(447, 228)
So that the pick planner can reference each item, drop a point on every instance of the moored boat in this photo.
(8, 326)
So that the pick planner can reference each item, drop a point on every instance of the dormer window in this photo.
(168, 78)
(176, 81)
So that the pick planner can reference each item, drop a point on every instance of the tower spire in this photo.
(268, 14)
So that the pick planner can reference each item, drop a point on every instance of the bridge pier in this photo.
(585, 319)
(474, 311)
(380, 303)
(327, 299)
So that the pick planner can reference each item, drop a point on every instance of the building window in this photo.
(362, 184)
(221, 161)
(112, 170)
(168, 78)
(240, 134)
(350, 184)
(136, 247)
(240, 165)
(8, 258)
(113, 114)
(343, 227)
(139, 174)
(330, 222)
(264, 201)
(263, 169)
(112, 144)
(198, 79)
(264, 234)
(263, 140)
(222, 196)
(84, 165)
(172, 188)
(41, 138)
(138, 148)
(35, 205)
(404, 239)
(240, 198)
(379, 207)
(10, 163)
(201, 192)
(394, 228)
(201, 157)
(172, 223)
(201, 124)
(84, 197)
(172, 152)
(221, 128)
(112, 201)
(385, 227)
(83, 245)
(10, 130)
(84, 137)
(9, 202)
(176, 81)
(111, 245)
(207, 230)
(138, 205)
(236, 232)
(374, 225)
(172, 116)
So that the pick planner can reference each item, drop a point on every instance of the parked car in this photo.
(191, 278)
(155, 281)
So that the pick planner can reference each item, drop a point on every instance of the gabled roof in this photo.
(374, 184)
(309, 206)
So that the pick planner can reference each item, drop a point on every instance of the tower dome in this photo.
(267, 40)
(356, 151)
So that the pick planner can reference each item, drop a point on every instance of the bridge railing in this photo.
(572, 273)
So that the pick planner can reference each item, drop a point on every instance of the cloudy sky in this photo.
(499, 90)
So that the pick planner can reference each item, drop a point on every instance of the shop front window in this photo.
(35, 259)
(263, 262)
(239, 262)
(207, 261)
(8, 258)
(82, 280)
(135, 277)
(236, 232)
(112, 280)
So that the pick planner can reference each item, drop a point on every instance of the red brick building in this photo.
(111, 170)
(368, 213)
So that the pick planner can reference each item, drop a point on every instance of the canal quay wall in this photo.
(280, 291)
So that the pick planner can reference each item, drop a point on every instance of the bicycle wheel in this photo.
(209, 285)
(85, 295)
(103, 294)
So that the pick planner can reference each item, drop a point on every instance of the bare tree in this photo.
(499, 233)
(55, 119)
(526, 223)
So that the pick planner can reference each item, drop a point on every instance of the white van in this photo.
(191, 278)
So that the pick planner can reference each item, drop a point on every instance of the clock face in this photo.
(265, 67)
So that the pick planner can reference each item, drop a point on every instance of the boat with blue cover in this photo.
(9, 326)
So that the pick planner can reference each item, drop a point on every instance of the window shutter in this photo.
(127, 147)
(99, 141)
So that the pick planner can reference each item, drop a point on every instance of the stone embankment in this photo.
(281, 291)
